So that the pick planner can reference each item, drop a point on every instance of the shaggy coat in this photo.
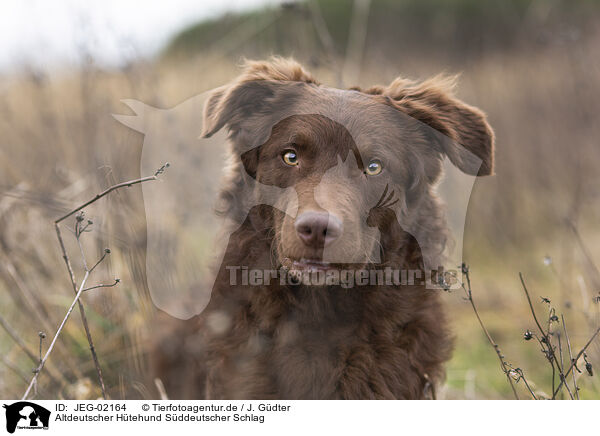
(322, 151)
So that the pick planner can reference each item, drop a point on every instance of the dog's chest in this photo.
(307, 362)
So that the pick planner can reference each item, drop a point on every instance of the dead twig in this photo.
(564, 324)
(113, 188)
(35, 308)
(110, 285)
(79, 230)
(503, 364)
(56, 335)
(546, 341)
(581, 352)
(520, 375)
(81, 310)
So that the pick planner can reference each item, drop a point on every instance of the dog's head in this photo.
(362, 165)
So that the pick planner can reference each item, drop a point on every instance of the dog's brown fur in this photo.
(326, 342)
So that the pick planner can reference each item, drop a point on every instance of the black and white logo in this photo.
(26, 415)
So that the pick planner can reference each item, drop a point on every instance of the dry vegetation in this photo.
(538, 215)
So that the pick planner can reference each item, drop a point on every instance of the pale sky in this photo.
(49, 34)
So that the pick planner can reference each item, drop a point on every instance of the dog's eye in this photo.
(290, 158)
(374, 167)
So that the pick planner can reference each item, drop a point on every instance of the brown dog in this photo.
(353, 173)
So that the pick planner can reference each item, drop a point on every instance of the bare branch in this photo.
(86, 327)
(521, 376)
(503, 365)
(79, 290)
(577, 358)
(106, 252)
(531, 306)
(546, 340)
(35, 308)
(562, 366)
(570, 355)
(110, 285)
(113, 188)
(60, 328)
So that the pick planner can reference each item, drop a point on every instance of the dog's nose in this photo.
(318, 229)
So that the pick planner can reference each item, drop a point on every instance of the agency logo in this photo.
(26, 415)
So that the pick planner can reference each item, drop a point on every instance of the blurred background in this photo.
(531, 65)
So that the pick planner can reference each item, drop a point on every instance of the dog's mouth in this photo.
(307, 265)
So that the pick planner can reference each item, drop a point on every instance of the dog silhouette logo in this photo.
(26, 415)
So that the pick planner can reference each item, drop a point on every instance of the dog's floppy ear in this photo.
(230, 105)
(466, 137)
(254, 91)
